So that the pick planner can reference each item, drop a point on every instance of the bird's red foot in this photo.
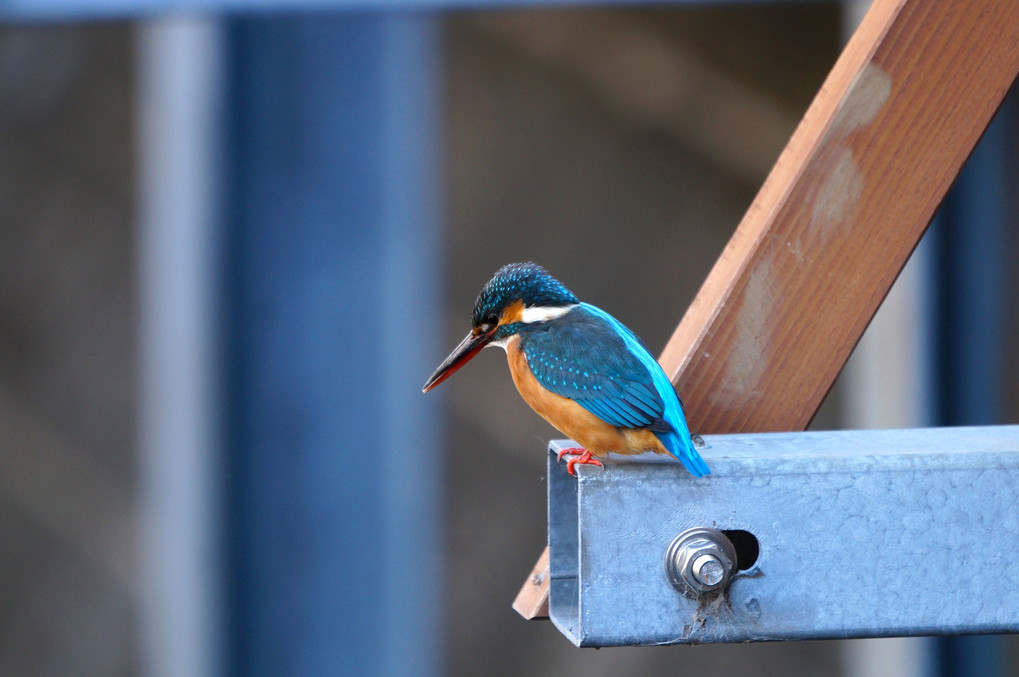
(581, 456)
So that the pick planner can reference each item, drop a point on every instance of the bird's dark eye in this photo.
(491, 322)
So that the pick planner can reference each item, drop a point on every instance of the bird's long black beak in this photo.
(467, 349)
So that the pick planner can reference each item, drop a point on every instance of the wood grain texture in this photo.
(840, 213)
(532, 600)
(843, 208)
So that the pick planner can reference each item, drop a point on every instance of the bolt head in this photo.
(700, 561)
(707, 570)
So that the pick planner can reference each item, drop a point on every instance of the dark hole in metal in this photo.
(746, 545)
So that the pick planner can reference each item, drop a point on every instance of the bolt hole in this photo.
(746, 545)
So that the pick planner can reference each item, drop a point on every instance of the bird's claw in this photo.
(582, 456)
(568, 451)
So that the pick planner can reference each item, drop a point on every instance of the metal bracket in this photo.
(837, 534)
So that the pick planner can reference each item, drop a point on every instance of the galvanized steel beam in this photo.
(859, 534)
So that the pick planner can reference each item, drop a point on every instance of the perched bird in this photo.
(578, 367)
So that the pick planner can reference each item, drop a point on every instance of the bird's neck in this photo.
(529, 320)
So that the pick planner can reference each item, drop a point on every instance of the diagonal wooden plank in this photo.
(840, 213)
(532, 600)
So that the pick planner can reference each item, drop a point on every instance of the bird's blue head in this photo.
(502, 309)
(526, 285)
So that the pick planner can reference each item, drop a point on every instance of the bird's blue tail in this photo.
(681, 446)
(677, 438)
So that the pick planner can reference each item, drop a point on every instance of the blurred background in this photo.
(235, 245)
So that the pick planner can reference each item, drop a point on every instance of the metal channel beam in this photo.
(860, 533)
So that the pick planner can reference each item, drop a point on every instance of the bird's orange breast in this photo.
(573, 420)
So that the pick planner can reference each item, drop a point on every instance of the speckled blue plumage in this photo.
(593, 359)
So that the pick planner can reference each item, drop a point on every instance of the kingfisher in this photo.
(578, 367)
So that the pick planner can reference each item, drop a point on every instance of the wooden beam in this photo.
(532, 600)
(841, 211)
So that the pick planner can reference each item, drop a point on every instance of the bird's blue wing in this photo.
(581, 357)
(593, 359)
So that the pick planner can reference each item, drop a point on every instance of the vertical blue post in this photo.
(333, 287)
(180, 95)
(971, 246)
